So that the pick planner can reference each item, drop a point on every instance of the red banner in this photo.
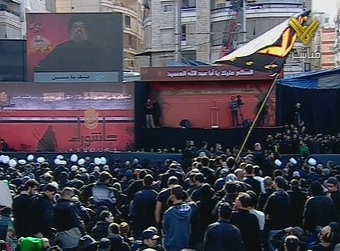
(67, 117)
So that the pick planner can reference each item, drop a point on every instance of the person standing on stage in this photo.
(233, 106)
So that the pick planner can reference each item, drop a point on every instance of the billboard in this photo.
(79, 47)
(48, 117)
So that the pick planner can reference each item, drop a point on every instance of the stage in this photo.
(148, 138)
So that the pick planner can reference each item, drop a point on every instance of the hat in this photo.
(86, 241)
(30, 157)
(291, 243)
(278, 162)
(22, 162)
(97, 160)
(104, 244)
(333, 181)
(312, 162)
(149, 234)
(296, 174)
(81, 162)
(74, 158)
(298, 231)
(293, 161)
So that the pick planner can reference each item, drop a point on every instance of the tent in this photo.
(319, 96)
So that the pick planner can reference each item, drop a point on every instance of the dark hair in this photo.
(50, 188)
(103, 176)
(114, 228)
(148, 179)
(104, 214)
(224, 210)
(173, 180)
(249, 169)
(30, 184)
(245, 199)
(178, 192)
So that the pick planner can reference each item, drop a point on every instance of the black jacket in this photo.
(66, 216)
(143, 209)
(319, 211)
(223, 236)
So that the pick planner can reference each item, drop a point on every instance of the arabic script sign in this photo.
(209, 73)
(201, 73)
(83, 77)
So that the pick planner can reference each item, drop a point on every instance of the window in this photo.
(188, 4)
(184, 33)
(167, 8)
(130, 41)
(189, 55)
(220, 5)
(307, 67)
(127, 21)
(167, 36)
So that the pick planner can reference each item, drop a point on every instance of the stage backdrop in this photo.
(82, 47)
(199, 102)
(80, 117)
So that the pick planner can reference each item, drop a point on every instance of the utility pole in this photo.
(178, 29)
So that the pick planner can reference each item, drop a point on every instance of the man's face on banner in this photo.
(79, 32)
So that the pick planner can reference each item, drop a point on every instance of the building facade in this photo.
(13, 16)
(133, 14)
(192, 29)
(327, 47)
(337, 34)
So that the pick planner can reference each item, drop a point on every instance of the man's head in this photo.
(332, 184)
(78, 30)
(31, 186)
(50, 190)
(150, 238)
(224, 211)
(291, 243)
(67, 193)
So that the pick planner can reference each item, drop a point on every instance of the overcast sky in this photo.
(327, 6)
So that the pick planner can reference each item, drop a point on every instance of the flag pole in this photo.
(256, 117)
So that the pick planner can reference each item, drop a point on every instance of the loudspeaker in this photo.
(185, 123)
(247, 123)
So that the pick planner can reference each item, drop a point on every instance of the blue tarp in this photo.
(326, 79)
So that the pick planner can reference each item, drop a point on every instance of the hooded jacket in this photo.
(176, 227)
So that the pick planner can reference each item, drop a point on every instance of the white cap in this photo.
(74, 168)
(103, 160)
(81, 162)
(57, 161)
(1, 157)
(62, 162)
(12, 163)
(96, 169)
(312, 162)
(30, 157)
(127, 163)
(5, 159)
(74, 158)
(22, 162)
(293, 161)
(278, 162)
(60, 156)
(97, 160)
(82, 169)
(296, 174)
(40, 160)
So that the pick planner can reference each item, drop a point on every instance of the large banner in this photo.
(82, 47)
(67, 117)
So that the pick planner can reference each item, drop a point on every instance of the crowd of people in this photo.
(207, 201)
